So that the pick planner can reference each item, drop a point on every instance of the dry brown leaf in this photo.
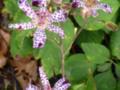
(3, 61)
(26, 70)
(5, 35)
(4, 41)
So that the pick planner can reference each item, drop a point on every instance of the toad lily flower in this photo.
(59, 85)
(90, 7)
(41, 20)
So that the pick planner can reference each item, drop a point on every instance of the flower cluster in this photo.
(41, 20)
(59, 85)
(90, 7)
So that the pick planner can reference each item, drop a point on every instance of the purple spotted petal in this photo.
(24, 6)
(56, 30)
(58, 16)
(40, 3)
(78, 3)
(21, 26)
(39, 38)
(61, 85)
(32, 87)
(94, 12)
(44, 80)
(105, 7)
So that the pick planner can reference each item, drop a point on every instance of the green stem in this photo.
(63, 54)
(62, 58)
(75, 37)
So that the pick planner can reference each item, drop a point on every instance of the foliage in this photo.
(91, 58)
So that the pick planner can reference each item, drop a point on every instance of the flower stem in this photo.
(75, 37)
(62, 58)
(64, 53)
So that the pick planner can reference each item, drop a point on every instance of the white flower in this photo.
(41, 20)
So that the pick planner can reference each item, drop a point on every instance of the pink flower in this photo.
(41, 20)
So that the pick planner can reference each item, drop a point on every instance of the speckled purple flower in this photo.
(32, 87)
(39, 3)
(59, 85)
(41, 20)
(90, 7)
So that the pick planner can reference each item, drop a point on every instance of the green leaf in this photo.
(96, 53)
(50, 56)
(11, 6)
(90, 36)
(76, 68)
(117, 69)
(115, 44)
(78, 87)
(95, 25)
(69, 35)
(17, 14)
(105, 81)
(20, 44)
(104, 67)
(20, 17)
(114, 5)
(90, 85)
(98, 22)
(27, 47)
(118, 85)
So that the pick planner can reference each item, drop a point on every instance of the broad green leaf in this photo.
(20, 44)
(98, 22)
(17, 14)
(104, 67)
(50, 57)
(20, 17)
(76, 68)
(90, 36)
(26, 48)
(95, 25)
(114, 5)
(69, 35)
(105, 81)
(96, 53)
(11, 6)
(90, 85)
(118, 85)
(115, 44)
